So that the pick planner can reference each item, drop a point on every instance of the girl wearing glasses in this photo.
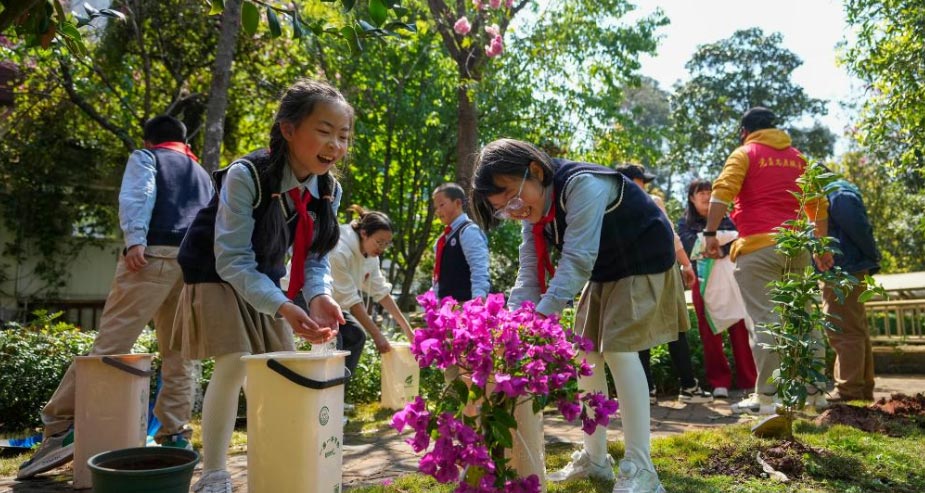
(617, 248)
(355, 269)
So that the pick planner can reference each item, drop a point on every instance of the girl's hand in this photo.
(382, 344)
(688, 275)
(326, 312)
(304, 326)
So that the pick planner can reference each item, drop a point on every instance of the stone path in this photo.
(374, 458)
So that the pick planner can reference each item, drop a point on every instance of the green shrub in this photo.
(33, 358)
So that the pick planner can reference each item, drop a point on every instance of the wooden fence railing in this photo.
(896, 319)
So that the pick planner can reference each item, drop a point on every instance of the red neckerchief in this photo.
(178, 147)
(543, 264)
(304, 230)
(441, 243)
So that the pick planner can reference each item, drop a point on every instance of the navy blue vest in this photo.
(636, 237)
(455, 275)
(183, 187)
(197, 254)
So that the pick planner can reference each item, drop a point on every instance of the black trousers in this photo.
(680, 353)
(351, 338)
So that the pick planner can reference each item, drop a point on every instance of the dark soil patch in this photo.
(786, 457)
(891, 417)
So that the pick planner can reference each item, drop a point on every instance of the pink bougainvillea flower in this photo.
(505, 358)
(462, 26)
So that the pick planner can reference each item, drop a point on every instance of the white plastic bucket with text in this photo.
(295, 430)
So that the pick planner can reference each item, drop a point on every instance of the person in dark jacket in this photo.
(854, 363)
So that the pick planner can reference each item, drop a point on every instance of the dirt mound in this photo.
(787, 457)
(902, 405)
(888, 416)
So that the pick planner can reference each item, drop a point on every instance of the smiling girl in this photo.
(233, 257)
(617, 248)
(355, 269)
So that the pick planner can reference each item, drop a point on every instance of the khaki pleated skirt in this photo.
(634, 313)
(212, 319)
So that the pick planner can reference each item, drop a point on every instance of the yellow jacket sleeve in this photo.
(729, 182)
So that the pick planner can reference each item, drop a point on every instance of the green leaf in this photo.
(407, 26)
(350, 35)
(273, 21)
(70, 31)
(378, 12)
(250, 18)
(297, 29)
(348, 4)
(218, 6)
(867, 295)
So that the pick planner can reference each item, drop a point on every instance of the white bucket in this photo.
(111, 408)
(401, 376)
(295, 410)
(528, 456)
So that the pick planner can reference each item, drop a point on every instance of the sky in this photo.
(810, 28)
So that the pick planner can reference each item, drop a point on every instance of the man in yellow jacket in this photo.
(759, 178)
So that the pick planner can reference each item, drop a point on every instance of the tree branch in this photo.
(80, 102)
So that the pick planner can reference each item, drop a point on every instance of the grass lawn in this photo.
(851, 461)
(717, 460)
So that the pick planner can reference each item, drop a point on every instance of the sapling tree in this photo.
(797, 299)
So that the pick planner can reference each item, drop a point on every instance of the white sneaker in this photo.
(214, 481)
(756, 404)
(721, 393)
(582, 466)
(818, 401)
(632, 479)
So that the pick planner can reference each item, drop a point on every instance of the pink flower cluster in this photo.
(463, 26)
(510, 357)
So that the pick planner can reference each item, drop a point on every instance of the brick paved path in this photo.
(373, 458)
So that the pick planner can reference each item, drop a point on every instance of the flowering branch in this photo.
(495, 360)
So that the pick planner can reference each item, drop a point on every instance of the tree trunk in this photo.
(218, 92)
(467, 137)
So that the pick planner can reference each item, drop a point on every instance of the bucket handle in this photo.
(113, 362)
(305, 381)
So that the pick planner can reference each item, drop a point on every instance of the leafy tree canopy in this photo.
(728, 77)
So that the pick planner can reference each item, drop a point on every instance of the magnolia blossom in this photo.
(462, 26)
(477, 4)
(495, 4)
(495, 48)
(493, 30)
(509, 3)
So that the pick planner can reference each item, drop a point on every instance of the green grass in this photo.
(852, 462)
(9, 462)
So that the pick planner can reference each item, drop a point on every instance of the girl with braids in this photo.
(355, 268)
(233, 257)
(617, 248)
